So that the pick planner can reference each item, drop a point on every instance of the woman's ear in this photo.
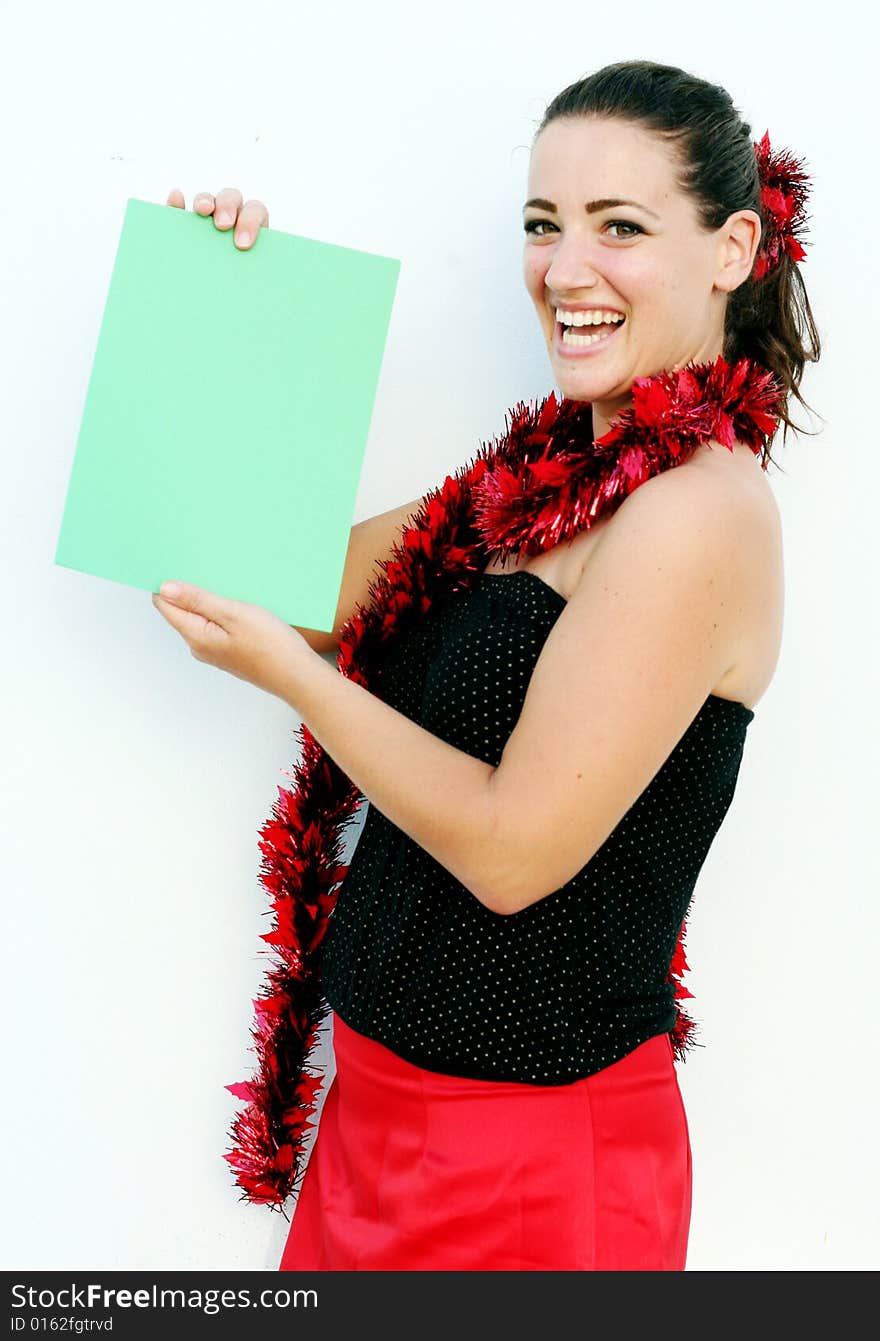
(740, 241)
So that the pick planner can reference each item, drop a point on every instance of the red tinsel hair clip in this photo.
(784, 191)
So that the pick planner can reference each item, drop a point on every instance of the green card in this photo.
(227, 413)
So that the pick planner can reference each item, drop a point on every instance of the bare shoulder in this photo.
(704, 496)
(722, 501)
(730, 496)
(737, 473)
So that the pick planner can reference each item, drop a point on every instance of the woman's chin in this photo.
(584, 383)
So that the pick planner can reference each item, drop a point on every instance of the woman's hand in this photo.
(229, 211)
(245, 640)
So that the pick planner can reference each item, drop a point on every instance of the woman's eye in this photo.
(622, 223)
(533, 224)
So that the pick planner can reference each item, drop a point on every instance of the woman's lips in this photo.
(583, 351)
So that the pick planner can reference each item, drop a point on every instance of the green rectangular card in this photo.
(227, 413)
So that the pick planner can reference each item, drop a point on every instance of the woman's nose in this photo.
(571, 269)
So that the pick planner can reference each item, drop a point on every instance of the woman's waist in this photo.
(397, 1066)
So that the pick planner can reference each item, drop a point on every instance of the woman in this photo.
(555, 744)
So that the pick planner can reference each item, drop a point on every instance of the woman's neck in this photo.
(605, 411)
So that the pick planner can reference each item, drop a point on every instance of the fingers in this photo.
(194, 613)
(184, 598)
(229, 210)
(203, 203)
(226, 207)
(251, 218)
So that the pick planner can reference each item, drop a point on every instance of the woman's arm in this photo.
(435, 793)
(655, 622)
(368, 541)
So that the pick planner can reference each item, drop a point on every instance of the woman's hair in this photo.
(717, 167)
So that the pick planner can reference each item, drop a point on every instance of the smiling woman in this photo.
(547, 754)
(696, 223)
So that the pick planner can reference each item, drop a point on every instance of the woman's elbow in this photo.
(507, 875)
(524, 874)
(497, 863)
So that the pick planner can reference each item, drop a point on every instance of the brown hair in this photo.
(766, 321)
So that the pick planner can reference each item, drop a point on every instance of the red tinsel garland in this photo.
(543, 482)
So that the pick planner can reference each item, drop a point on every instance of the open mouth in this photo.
(571, 338)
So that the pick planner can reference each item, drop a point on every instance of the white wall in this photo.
(135, 778)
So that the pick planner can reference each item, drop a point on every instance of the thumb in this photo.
(213, 609)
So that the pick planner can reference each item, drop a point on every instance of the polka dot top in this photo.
(575, 981)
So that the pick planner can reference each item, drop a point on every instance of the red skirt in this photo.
(413, 1170)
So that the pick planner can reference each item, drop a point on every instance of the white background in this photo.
(135, 779)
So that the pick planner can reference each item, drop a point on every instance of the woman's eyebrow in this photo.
(592, 206)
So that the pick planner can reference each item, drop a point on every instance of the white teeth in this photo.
(572, 338)
(587, 318)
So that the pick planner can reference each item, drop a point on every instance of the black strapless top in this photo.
(571, 983)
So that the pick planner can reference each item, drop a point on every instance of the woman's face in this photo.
(649, 260)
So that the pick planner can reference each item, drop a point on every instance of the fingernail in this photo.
(223, 217)
(243, 238)
(169, 589)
